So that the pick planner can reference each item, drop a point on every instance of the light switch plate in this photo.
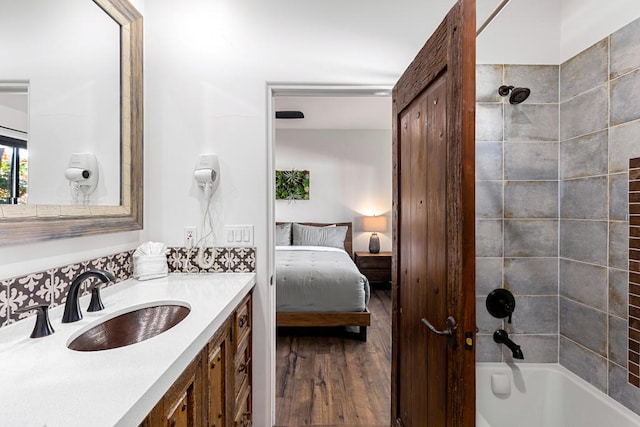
(238, 235)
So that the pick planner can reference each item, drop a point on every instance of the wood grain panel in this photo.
(326, 378)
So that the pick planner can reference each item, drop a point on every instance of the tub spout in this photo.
(501, 337)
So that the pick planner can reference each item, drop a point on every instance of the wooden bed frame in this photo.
(329, 318)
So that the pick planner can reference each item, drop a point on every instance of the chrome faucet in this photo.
(502, 337)
(72, 311)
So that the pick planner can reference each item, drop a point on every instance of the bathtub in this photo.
(543, 395)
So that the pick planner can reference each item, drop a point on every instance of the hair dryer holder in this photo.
(501, 303)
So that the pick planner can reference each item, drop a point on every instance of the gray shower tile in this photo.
(585, 114)
(489, 199)
(584, 283)
(619, 197)
(541, 79)
(488, 275)
(584, 325)
(584, 240)
(486, 349)
(623, 145)
(625, 98)
(625, 49)
(531, 122)
(621, 390)
(531, 238)
(489, 122)
(618, 292)
(618, 340)
(534, 315)
(584, 198)
(584, 156)
(531, 276)
(489, 238)
(488, 160)
(584, 71)
(485, 322)
(531, 199)
(589, 366)
(619, 245)
(488, 80)
(535, 348)
(531, 160)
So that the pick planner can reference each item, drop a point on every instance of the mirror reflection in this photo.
(59, 101)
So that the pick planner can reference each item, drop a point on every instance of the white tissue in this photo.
(150, 261)
(150, 248)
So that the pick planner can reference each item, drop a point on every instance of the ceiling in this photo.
(374, 112)
(338, 112)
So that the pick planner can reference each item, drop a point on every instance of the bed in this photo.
(317, 283)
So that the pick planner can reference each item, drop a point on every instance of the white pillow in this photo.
(283, 234)
(308, 235)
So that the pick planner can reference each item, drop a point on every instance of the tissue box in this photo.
(147, 267)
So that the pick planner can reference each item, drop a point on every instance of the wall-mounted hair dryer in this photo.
(82, 174)
(207, 172)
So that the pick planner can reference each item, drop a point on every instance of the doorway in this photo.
(321, 357)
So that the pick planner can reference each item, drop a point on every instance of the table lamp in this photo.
(374, 224)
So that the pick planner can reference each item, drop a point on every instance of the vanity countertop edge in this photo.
(45, 383)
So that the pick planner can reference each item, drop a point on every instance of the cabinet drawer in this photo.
(383, 262)
(242, 367)
(243, 409)
(242, 324)
(376, 275)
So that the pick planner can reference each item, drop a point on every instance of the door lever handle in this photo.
(450, 326)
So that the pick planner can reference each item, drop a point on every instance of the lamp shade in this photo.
(374, 223)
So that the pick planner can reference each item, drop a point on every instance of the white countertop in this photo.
(43, 383)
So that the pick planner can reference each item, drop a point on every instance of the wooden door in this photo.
(433, 375)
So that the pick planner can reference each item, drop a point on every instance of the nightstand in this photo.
(377, 267)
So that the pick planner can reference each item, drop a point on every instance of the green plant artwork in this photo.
(292, 185)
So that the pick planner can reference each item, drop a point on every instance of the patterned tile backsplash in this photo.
(51, 286)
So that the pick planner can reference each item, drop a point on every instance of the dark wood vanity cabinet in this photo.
(215, 389)
(242, 364)
(181, 406)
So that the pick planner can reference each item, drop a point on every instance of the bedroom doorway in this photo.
(327, 375)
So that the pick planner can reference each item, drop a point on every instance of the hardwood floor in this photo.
(326, 377)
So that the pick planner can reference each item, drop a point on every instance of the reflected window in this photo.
(14, 170)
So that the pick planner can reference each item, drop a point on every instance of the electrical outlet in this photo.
(189, 237)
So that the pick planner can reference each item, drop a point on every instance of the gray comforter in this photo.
(314, 279)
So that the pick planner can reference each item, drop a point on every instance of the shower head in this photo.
(518, 94)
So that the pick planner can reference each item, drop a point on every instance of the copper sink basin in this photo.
(130, 327)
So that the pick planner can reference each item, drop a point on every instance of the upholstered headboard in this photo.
(348, 239)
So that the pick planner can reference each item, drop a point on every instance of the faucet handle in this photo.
(96, 302)
(43, 326)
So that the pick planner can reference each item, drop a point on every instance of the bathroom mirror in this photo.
(35, 222)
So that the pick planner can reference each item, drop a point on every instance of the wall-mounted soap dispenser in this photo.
(82, 174)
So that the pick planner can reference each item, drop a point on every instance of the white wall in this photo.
(68, 51)
(207, 68)
(585, 22)
(350, 176)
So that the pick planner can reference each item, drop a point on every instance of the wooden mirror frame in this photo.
(21, 224)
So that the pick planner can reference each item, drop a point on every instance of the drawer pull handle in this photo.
(184, 407)
(244, 319)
